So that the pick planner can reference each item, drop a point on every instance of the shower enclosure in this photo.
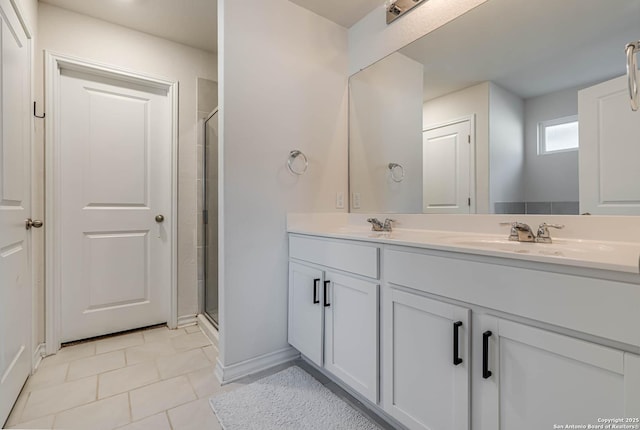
(210, 218)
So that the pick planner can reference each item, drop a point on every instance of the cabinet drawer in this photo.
(608, 309)
(353, 257)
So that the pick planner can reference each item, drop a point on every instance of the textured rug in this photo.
(292, 400)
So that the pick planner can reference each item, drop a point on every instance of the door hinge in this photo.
(469, 201)
(205, 217)
(468, 138)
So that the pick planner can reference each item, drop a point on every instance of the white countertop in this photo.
(593, 254)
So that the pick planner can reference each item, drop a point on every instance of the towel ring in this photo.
(632, 72)
(395, 167)
(293, 155)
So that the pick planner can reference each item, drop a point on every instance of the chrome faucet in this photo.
(377, 225)
(521, 232)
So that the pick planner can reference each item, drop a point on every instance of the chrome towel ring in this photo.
(632, 72)
(397, 172)
(293, 155)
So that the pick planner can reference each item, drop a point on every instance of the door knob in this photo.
(28, 223)
(159, 218)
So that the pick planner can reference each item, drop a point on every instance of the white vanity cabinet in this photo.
(333, 308)
(528, 378)
(427, 362)
(532, 374)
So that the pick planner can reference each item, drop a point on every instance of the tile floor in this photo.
(150, 379)
(156, 379)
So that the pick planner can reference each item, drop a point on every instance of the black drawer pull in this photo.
(316, 282)
(456, 358)
(326, 293)
(486, 373)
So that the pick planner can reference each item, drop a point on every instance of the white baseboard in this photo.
(187, 320)
(227, 374)
(38, 354)
(208, 329)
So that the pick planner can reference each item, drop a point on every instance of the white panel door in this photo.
(539, 378)
(426, 373)
(446, 167)
(115, 179)
(306, 286)
(15, 206)
(351, 332)
(609, 150)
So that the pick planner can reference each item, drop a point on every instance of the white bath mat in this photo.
(288, 400)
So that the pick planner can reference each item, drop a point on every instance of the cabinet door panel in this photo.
(543, 378)
(424, 389)
(351, 333)
(305, 316)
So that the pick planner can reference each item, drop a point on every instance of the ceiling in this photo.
(195, 22)
(343, 12)
(543, 46)
(190, 22)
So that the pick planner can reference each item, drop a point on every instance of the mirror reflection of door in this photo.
(446, 167)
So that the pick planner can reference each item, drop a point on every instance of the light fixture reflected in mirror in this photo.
(397, 8)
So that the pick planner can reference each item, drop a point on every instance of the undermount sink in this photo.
(559, 247)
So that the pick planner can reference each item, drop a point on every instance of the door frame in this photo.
(472, 153)
(54, 63)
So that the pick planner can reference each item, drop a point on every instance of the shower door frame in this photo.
(205, 207)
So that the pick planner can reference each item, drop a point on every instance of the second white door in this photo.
(114, 202)
(447, 168)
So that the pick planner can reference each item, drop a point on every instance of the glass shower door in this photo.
(210, 218)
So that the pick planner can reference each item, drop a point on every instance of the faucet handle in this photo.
(558, 226)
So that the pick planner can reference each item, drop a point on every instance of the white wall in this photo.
(506, 146)
(550, 177)
(283, 75)
(371, 39)
(385, 114)
(69, 33)
(469, 101)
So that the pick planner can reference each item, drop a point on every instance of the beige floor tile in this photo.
(16, 413)
(127, 378)
(69, 353)
(161, 333)
(182, 363)
(204, 382)
(154, 398)
(103, 414)
(95, 365)
(155, 422)
(192, 329)
(149, 351)
(47, 377)
(196, 415)
(190, 341)
(119, 342)
(211, 352)
(40, 423)
(58, 398)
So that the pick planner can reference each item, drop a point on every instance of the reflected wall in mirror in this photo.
(482, 114)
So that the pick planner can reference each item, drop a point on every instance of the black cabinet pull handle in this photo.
(456, 358)
(316, 282)
(326, 294)
(486, 373)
